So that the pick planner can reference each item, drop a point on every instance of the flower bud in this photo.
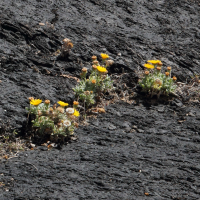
(76, 124)
(158, 81)
(66, 40)
(31, 98)
(54, 106)
(174, 78)
(101, 110)
(47, 102)
(95, 62)
(158, 68)
(159, 64)
(167, 73)
(169, 68)
(66, 47)
(84, 70)
(87, 92)
(60, 109)
(76, 103)
(59, 125)
(93, 81)
(94, 57)
(146, 72)
(109, 62)
(39, 112)
(70, 45)
(94, 67)
(67, 44)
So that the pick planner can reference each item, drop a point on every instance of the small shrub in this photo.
(155, 82)
(88, 90)
(55, 121)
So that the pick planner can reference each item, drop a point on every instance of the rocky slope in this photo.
(141, 150)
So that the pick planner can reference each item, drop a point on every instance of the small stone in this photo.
(161, 109)
(140, 130)
(32, 145)
(42, 24)
(111, 127)
(191, 114)
(74, 138)
(95, 123)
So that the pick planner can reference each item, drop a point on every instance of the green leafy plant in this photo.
(89, 90)
(53, 120)
(155, 82)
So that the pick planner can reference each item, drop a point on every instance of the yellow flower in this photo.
(101, 69)
(148, 66)
(154, 62)
(63, 104)
(76, 113)
(104, 56)
(35, 102)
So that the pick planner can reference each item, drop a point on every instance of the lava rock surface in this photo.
(133, 151)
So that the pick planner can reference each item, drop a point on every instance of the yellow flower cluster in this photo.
(155, 82)
(91, 86)
(151, 64)
(53, 120)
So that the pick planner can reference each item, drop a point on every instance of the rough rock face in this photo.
(131, 149)
(139, 30)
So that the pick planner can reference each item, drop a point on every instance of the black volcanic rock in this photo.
(130, 150)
